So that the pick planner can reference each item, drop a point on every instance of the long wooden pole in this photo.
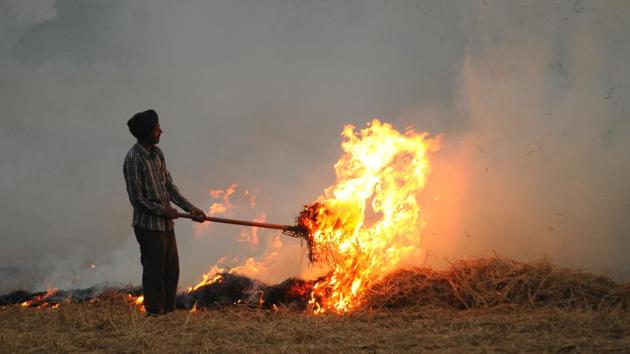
(241, 222)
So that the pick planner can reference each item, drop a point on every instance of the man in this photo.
(151, 188)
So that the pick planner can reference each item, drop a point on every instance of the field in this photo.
(488, 305)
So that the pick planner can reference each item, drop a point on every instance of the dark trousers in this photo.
(160, 269)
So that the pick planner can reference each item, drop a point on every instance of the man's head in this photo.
(145, 126)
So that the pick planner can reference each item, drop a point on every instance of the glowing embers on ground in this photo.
(41, 301)
(54, 298)
(369, 220)
(136, 301)
(223, 290)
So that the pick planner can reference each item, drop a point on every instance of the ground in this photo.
(112, 325)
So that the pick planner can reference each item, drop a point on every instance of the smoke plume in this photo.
(529, 97)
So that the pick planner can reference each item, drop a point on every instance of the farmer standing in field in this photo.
(151, 188)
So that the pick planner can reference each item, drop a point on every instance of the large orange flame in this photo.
(366, 223)
(369, 220)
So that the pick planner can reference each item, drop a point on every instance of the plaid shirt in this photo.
(151, 188)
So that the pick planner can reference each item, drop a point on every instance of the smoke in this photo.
(528, 96)
(542, 169)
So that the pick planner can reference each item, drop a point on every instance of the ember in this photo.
(225, 289)
(53, 297)
(229, 289)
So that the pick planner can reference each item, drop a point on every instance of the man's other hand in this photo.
(170, 213)
(198, 214)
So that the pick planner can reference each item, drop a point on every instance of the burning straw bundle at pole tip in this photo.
(301, 230)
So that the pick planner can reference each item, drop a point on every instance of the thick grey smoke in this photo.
(530, 99)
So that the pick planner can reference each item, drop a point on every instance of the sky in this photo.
(529, 97)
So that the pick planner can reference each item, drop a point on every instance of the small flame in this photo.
(217, 208)
(251, 198)
(224, 205)
(137, 302)
(40, 301)
(140, 300)
(254, 267)
(250, 234)
(213, 276)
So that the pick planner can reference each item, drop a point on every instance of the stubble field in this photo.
(486, 305)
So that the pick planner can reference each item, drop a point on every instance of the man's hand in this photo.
(198, 214)
(170, 213)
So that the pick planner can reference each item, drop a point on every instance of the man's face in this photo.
(154, 137)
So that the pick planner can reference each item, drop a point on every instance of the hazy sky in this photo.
(530, 97)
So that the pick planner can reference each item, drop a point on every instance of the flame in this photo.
(221, 205)
(137, 301)
(140, 300)
(250, 235)
(369, 220)
(224, 205)
(250, 268)
(40, 301)
(251, 198)
(264, 267)
(365, 224)
(213, 276)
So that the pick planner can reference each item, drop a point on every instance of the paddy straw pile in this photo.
(482, 305)
(494, 281)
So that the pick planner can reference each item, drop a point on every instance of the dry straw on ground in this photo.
(477, 306)
(493, 281)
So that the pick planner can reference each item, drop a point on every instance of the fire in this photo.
(213, 276)
(250, 235)
(224, 195)
(136, 301)
(41, 300)
(369, 220)
(140, 300)
(363, 226)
